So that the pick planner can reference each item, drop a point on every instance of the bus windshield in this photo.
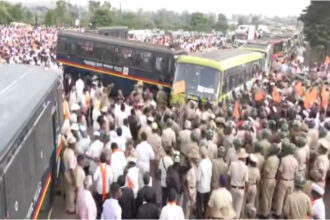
(199, 81)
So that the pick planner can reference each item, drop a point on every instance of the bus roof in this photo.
(221, 59)
(22, 88)
(112, 28)
(121, 42)
(260, 46)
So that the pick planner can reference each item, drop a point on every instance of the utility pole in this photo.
(120, 9)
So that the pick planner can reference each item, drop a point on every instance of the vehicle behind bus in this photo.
(118, 61)
(244, 33)
(213, 76)
(263, 47)
(31, 120)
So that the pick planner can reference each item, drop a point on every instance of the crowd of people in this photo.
(28, 45)
(262, 154)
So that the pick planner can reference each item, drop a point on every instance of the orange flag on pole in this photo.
(236, 110)
(324, 97)
(276, 96)
(299, 89)
(313, 95)
(259, 96)
(307, 99)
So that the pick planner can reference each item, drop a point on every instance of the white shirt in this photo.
(118, 164)
(99, 181)
(126, 133)
(133, 177)
(121, 142)
(111, 209)
(94, 151)
(171, 212)
(120, 118)
(164, 164)
(204, 174)
(318, 209)
(144, 154)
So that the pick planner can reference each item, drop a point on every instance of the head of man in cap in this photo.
(221, 152)
(72, 142)
(253, 160)
(317, 192)
(237, 144)
(242, 155)
(300, 141)
(323, 146)
(299, 182)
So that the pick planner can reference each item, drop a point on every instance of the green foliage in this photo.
(100, 14)
(200, 22)
(221, 24)
(50, 18)
(13, 12)
(316, 19)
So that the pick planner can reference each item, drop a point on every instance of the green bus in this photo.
(213, 75)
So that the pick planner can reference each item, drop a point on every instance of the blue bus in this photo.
(119, 61)
(31, 118)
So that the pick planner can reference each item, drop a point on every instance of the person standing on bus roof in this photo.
(70, 163)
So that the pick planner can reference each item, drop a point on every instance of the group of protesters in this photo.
(262, 154)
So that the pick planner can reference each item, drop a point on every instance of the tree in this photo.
(101, 15)
(316, 19)
(200, 22)
(221, 24)
(50, 18)
(255, 20)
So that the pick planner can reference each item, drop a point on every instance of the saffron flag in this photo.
(324, 97)
(276, 96)
(299, 89)
(236, 110)
(259, 96)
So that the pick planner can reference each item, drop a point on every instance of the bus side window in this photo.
(125, 56)
(160, 64)
(108, 55)
(142, 60)
(98, 51)
(62, 45)
(85, 49)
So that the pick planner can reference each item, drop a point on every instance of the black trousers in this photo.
(201, 203)
(164, 196)
(99, 204)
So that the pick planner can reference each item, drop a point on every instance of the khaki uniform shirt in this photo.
(264, 143)
(261, 161)
(156, 143)
(219, 166)
(301, 156)
(270, 167)
(322, 165)
(220, 203)
(238, 173)
(313, 137)
(297, 206)
(168, 138)
(70, 163)
(79, 176)
(254, 175)
(212, 149)
(185, 140)
(288, 167)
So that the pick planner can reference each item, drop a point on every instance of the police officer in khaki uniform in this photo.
(238, 178)
(184, 138)
(254, 178)
(79, 173)
(301, 154)
(321, 163)
(264, 143)
(287, 170)
(161, 96)
(219, 166)
(298, 204)
(168, 135)
(268, 181)
(70, 163)
(190, 190)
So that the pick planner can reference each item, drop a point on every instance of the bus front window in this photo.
(200, 81)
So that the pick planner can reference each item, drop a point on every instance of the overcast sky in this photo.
(228, 7)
